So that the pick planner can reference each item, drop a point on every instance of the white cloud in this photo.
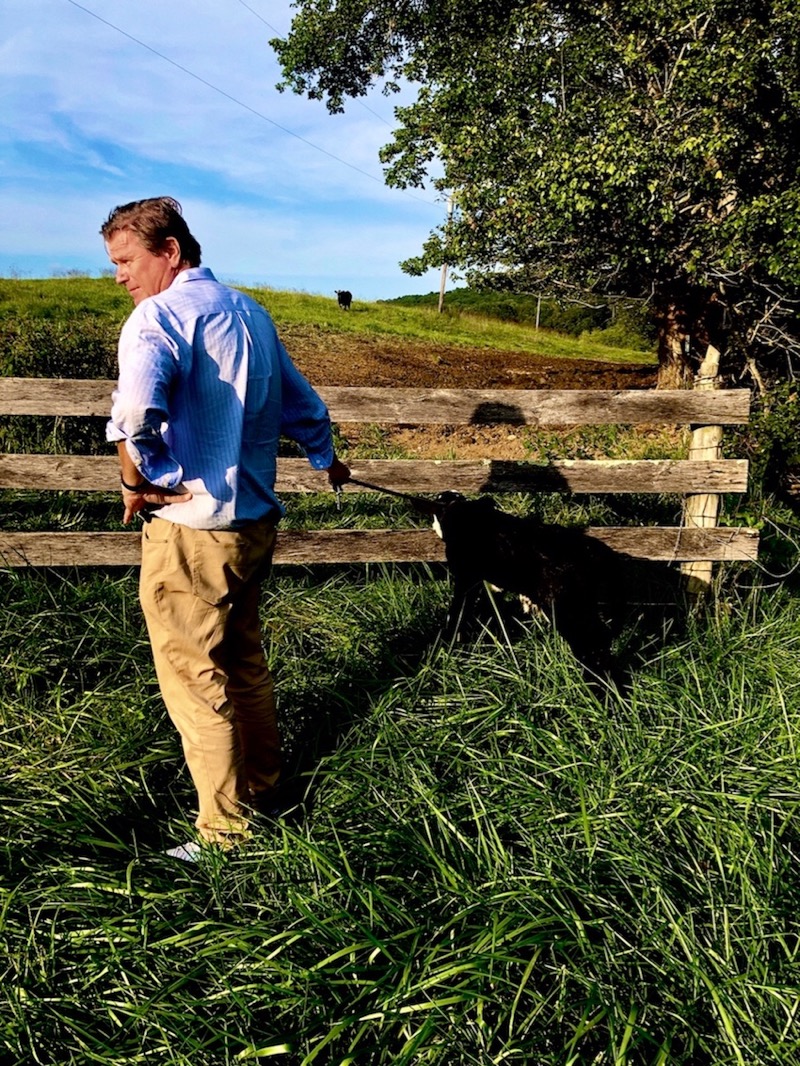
(113, 90)
(315, 253)
(94, 119)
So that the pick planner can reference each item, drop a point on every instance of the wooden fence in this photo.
(690, 542)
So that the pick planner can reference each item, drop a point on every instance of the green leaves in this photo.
(638, 148)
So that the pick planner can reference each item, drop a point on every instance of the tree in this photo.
(646, 148)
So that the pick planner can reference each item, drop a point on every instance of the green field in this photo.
(102, 306)
(491, 862)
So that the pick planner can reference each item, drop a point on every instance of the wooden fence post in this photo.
(701, 510)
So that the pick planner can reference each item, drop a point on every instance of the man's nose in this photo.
(121, 276)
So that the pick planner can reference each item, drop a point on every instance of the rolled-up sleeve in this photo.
(148, 361)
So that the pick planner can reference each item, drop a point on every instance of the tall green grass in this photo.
(492, 865)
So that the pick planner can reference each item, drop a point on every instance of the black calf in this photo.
(561, 570)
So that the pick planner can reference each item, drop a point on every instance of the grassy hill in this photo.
(95, 308)
(627, 320)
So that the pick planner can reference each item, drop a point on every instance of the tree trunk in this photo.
(674, 366)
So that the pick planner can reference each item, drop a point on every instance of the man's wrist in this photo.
(134, 488)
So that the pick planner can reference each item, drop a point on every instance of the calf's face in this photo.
(447, 509)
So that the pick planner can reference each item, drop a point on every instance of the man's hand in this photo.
(338, 473)
(136, 501)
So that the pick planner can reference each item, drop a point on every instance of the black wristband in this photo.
(134, 488)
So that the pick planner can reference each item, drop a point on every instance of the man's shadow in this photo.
(636, 628)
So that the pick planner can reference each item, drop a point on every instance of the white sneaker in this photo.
(188, 852)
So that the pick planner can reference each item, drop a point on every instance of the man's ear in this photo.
(172, 251)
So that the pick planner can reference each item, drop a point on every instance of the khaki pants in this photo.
(199, 591)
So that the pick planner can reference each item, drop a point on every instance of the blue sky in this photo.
(277, 191)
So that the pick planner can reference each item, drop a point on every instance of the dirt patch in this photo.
(338, 359)
(350, 359)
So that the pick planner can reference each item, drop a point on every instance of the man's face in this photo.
(143, 273)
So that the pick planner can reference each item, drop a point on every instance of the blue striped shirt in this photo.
(205, 390)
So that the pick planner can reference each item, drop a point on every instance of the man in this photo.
(205, 390)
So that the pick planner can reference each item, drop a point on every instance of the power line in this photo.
(253, 11)
(240, 103)
(278, 32)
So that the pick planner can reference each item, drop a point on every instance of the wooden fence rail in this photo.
(542, 408)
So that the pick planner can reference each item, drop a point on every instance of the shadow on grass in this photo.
(321, 717)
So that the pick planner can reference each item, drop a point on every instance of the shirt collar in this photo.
(192, 274)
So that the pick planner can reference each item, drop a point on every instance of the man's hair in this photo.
(153, 221)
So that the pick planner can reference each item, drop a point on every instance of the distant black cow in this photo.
(345, 298)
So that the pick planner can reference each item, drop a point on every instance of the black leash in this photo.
(381, 488)
(420, 502)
